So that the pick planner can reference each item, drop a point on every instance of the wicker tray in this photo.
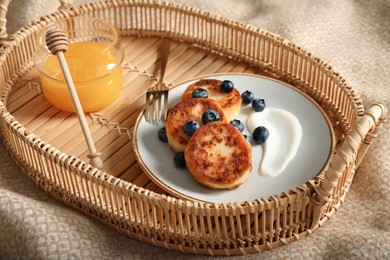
(48, 146)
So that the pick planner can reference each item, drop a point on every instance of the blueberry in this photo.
(237, 123)
(179, 160)
(247, 137)
(210, 116)
(227, 86)
(190, 127)
(199, 93)
(260, 135)
(247, 97)
(162, 135)
(258, 104)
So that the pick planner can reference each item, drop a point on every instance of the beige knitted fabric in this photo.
(352, 35)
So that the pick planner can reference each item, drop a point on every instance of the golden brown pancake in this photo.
(181, 113)
(230, 102)
(218, 156)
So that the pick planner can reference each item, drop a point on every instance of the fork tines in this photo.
(154, 111)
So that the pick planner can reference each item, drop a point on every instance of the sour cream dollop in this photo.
(285, 134)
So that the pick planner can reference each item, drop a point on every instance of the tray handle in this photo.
(356, 143)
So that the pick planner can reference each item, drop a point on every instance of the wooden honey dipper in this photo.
(57, 43)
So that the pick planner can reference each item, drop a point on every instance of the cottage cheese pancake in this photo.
(218, 156)
(184, 111)
(229, 101)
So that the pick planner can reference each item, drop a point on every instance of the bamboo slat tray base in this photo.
(111, 127)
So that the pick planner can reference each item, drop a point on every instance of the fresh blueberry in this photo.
(260, 135)
(237, 123)
(199, 93)
(210, 116)
(227, 86)
(247, 97)
(190, 127)
(258, 104)
(179, 160)
(162, 135)
(248, 138)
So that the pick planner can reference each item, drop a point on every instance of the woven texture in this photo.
(352, 37)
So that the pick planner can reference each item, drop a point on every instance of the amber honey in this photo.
(96, 76)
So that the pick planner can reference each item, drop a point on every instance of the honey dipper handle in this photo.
(57, 43)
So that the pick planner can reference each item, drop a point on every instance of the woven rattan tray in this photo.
(48, 146)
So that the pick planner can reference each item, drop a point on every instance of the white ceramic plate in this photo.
(156, 158)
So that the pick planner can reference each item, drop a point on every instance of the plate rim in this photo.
(179, 195)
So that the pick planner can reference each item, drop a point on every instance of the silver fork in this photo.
(158, 91)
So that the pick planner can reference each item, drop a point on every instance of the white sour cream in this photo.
(285, 134)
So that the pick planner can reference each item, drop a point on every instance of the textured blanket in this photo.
(352, 35)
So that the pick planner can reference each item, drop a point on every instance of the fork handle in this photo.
(165, 47)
